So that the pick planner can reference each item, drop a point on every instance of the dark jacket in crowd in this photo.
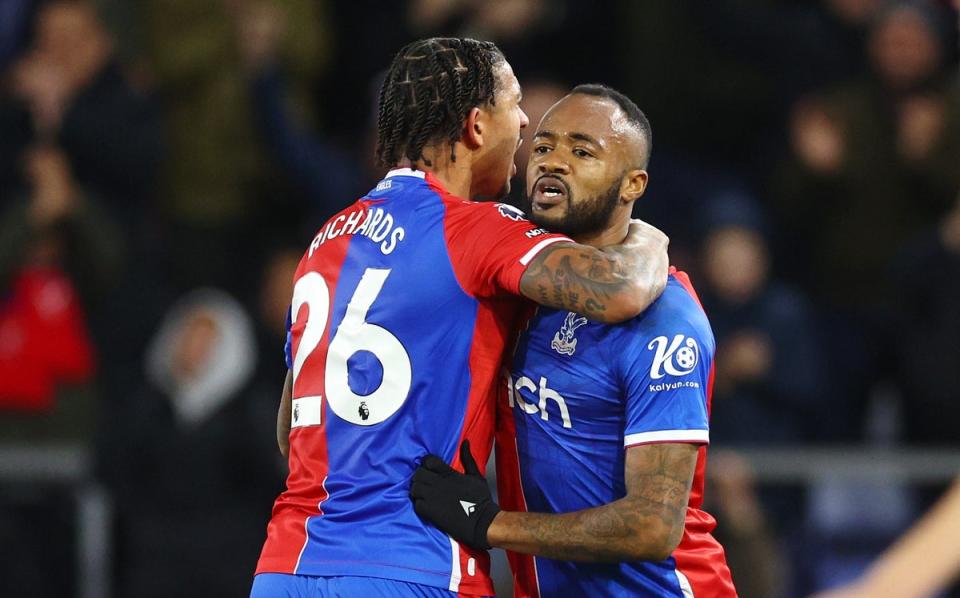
(789, 402)
(928, 329)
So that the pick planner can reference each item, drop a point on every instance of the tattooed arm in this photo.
(609, 284)
(646, 524)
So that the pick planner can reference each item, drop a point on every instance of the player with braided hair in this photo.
(426, 100)
(449, 76)
(403, 307)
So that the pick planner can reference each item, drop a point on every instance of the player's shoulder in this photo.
(498, 220)
(475, 212)
(676, 312)
(482, 209)
(679, 299)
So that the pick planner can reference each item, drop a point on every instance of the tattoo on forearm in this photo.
(650, 517)
(563, 277)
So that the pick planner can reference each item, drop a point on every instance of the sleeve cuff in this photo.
(662, 436)
(528, 256)
(516, 273)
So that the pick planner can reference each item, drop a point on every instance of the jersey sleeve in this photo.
(491, 245)
(288, 343)
(667, 374)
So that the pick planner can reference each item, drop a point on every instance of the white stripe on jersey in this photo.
(306, 540)
(667, 436)
(526, 259)
(685, 586)
(455, 574)
(306, 526)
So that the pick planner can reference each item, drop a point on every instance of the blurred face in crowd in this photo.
(194, 345)
(499, 126)
(276, 292)
(903, 48)
(585, 166)
(855, 12)
(736, 262)
(69, 35)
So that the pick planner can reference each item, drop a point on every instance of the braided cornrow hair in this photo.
(430, 87)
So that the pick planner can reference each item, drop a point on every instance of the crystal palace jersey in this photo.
(578, 395)
(403, 306)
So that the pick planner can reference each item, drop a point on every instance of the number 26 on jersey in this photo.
(354, 334)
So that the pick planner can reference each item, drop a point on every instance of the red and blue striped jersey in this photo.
(579, 394)
(403, 307)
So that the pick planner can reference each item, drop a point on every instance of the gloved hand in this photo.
(459, 504)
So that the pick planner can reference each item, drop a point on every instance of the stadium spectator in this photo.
(520, 27)
(216, 184)
(873, 164)
(873, 159)
(58, 253)
(271, 307)
(722, 74)
(273, 303)
(326, 175)
(68, 89)
(190, 479)
(770, 377)
(754, 554)
(928, 317)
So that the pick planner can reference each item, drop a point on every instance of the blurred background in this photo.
(163, 163)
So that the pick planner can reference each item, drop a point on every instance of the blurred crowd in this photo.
(164, 162)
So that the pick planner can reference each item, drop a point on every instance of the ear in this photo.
(633, 185)
(474, 128)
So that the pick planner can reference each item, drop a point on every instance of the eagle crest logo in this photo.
(564, 342)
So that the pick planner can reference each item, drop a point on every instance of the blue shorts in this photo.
(282, 585)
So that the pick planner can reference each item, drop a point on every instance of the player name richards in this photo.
(373, 223)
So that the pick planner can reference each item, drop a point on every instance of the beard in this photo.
(583, 217)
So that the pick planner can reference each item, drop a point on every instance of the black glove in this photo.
(459, 504)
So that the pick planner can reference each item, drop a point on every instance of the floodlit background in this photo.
(163, 163)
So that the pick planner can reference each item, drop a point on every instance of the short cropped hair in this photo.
(636, 116)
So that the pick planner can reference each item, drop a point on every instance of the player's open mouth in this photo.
(549, 191)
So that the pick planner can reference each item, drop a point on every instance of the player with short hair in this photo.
(603, 428)
(402, 309)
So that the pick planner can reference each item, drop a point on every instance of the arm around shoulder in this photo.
(646, 524)
(610, 284)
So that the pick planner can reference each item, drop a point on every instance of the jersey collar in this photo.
(406, 172)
